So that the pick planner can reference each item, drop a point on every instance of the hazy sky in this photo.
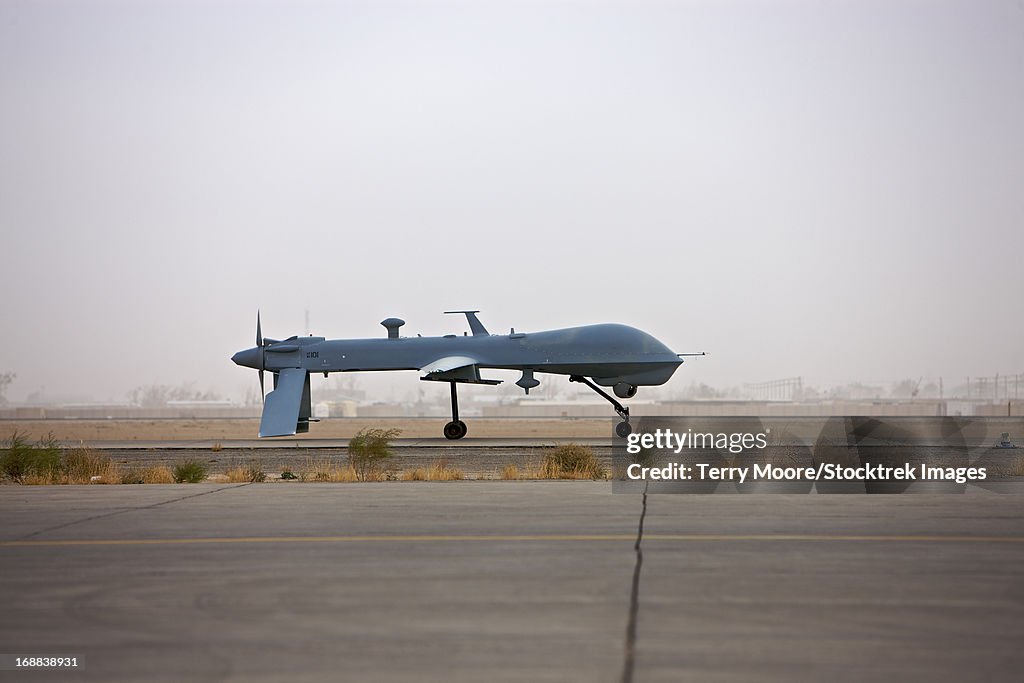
(820, 188)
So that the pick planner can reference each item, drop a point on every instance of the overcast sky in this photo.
(826, 189)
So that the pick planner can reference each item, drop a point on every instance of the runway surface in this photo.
(286, 442)
(509, 581)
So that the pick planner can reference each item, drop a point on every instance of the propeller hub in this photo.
(250, 358)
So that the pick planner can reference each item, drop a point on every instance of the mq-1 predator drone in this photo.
(611, 355)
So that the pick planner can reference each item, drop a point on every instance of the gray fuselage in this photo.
(608, 353)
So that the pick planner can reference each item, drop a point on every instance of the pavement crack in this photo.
(126, 510)
(629, 651)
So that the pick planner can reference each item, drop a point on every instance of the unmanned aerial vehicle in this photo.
(610, 355)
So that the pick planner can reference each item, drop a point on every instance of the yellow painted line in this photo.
(527, 538)
(835, 537)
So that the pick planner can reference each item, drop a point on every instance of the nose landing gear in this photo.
(623, 429)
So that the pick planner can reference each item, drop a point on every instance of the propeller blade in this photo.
(259, 343)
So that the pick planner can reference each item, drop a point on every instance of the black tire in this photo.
(455, 430)
(623, 429)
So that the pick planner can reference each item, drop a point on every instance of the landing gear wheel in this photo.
(623, 429)
(455, 430)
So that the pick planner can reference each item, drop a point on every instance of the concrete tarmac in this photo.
(508, 581)
(306, 442)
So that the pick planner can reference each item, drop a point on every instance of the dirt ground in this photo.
(329, 428)
(474, 462)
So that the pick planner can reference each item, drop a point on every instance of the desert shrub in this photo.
(368, 451)
(21, 458)
(572, 461)
(288, 475)
(46, 462)
(190, 472)
(510, 471)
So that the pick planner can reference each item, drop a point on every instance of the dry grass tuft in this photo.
(161, 474)
(438, 471)
(327, 470)
(545, 469)
(252, 473)
(569, 461)
(76, 466)
(237, 475)
(216, 447)
(86, 466)
(532, 470)
(1016, 467)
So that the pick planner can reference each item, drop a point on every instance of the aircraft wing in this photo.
(284, 404)
(455, 369)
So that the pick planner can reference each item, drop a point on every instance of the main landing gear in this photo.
(623, 429)
(456, 429)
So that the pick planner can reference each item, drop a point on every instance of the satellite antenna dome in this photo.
(392, 325)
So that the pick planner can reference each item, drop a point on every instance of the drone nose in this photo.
(248, 358)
